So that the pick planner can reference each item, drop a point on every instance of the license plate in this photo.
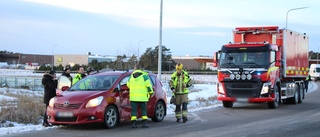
(64, 114)
(242, 99)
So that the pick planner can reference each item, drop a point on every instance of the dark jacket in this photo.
(50, 86)
(67, 75)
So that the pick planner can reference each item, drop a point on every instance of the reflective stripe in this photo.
(133, 118)
(144, 117)
(140, 87)
(292, 70)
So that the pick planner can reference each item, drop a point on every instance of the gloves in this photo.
(173, 100)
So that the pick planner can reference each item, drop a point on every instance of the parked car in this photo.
(102, 98)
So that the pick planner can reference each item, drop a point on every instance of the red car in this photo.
(102, 98)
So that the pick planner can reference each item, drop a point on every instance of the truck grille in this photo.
(243, 89)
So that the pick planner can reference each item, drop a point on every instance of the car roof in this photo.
(119, 72)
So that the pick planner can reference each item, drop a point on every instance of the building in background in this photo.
(18, 60)
(194, 62)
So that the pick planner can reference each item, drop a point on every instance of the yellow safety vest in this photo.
(140, 87)
(180, 82)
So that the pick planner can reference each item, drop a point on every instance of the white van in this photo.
(314, 72)
(4, 65)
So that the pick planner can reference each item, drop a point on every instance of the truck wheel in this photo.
(300, 99)
(295, 98)
(274, 104)
(227, 104)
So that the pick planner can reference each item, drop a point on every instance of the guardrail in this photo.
(23, 83)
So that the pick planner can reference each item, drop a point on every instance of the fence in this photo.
(22, 82)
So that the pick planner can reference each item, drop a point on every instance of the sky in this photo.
(129, 27)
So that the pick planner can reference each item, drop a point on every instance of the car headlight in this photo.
(265, 88)
(51, 102)
(94, 102)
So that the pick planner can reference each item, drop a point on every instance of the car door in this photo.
(125, 106)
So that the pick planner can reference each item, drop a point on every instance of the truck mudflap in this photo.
(250, 100)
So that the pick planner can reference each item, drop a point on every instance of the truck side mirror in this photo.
(215, 59)
(278, 63)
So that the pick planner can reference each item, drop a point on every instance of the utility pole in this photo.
(160, 43)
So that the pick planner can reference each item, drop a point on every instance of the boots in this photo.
(178, 120)
(134, 123)
(145, 124)
(185, 119)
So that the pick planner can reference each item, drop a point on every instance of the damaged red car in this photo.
(102, 98)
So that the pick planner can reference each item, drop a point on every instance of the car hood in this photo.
(78, 96)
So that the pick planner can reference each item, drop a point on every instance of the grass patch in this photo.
(25, 109)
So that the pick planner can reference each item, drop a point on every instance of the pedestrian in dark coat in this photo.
(50, 84)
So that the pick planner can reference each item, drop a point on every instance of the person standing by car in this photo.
(139, 94)
(79, 75)
(66, 73)
(50, 84)
(179, 84)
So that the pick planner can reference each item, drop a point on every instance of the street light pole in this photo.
(318, 55)
(139, 50)
(53, 56)
(160, 43)
(292, 10)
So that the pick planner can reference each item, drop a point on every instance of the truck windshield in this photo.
(245, 59)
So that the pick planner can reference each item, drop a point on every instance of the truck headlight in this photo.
(265, 88)
(243, 77)
(249, 76)
(94, 102)
(238, 76)
(232, 76)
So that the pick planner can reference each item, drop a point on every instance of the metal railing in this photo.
(22, 82)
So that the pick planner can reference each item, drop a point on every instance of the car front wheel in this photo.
(111, 117)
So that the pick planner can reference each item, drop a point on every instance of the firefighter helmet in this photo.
(179, 66)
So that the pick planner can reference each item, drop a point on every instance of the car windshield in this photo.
(245, 59)
(95, 83)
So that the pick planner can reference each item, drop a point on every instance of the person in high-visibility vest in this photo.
(179, 84)
(306, 82)
(139, 94)
(79, 75)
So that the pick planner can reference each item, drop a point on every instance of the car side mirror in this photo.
(124, 88)
(64, 88)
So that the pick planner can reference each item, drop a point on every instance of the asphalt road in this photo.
(243, 120)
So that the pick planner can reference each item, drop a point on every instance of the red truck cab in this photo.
(255, 68)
